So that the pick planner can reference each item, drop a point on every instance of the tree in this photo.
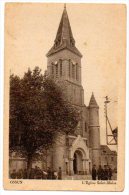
(38, 111)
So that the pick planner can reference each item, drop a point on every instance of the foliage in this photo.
(38, 111)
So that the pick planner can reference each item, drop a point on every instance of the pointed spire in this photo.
(64, 37)
(93, 102)
(64, 32)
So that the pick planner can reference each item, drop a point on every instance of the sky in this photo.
(99, 32)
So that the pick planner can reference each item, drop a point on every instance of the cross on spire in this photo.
(64, 5)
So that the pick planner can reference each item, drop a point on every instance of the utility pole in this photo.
(111, 138)
(105, 108)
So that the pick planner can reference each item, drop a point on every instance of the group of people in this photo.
(104, 173)
(36, 173)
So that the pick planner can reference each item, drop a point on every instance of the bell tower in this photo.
(64, 65)
(64, 61)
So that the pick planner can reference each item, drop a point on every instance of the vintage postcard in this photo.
(64, 90)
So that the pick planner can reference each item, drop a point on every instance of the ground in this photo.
(77, 177)
(83, 177)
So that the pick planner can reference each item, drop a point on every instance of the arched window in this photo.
(69, 68)
(56, 67)
(86, 128)
(52, 69)
(73, 71)
(72, 42)
(60, 61)
(77, 73)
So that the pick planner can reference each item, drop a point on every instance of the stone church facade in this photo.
(75, 153)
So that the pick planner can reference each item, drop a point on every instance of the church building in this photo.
(77, 153)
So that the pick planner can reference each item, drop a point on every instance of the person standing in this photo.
(55, 175)
(38, 174)
(32, 173)
(49, 173)
(100, 173)
(109, 173)
(20, 174)
(25, 174)
(44, 174)
(60, 173)
(13, 175)
(94, 172)
(105, 173)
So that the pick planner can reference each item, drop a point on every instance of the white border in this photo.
(2, 2)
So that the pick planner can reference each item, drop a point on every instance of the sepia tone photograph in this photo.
(64, 96)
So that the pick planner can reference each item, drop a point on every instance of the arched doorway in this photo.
(75, 163)
(78, 162)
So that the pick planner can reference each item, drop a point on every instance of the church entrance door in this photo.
(78, 162)
(75, 163)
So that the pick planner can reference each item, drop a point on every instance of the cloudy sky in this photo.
(99, 32)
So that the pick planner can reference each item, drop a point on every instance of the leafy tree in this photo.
(38, 112)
